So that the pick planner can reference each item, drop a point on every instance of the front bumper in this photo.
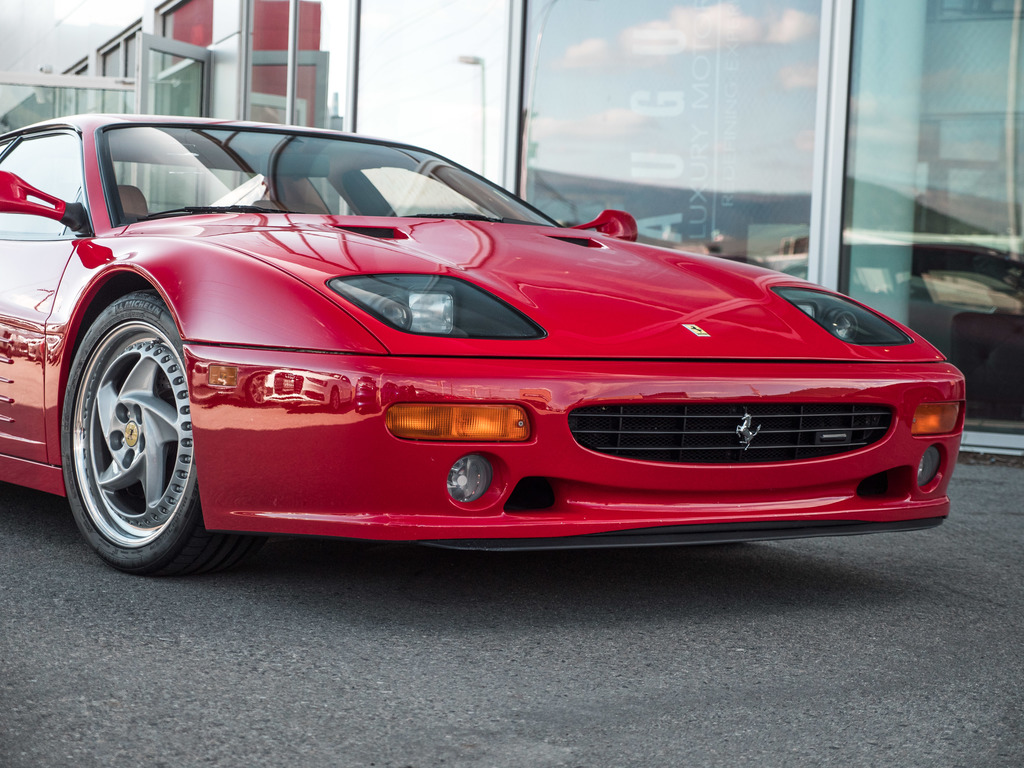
(329, 467)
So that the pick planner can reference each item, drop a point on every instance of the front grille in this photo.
(721, 433)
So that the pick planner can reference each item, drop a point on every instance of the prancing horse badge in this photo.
(744, 432)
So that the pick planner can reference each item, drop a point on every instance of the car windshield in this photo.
(178, 170)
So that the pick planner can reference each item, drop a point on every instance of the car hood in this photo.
(596, 297)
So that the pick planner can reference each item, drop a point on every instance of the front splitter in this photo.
(681, 535)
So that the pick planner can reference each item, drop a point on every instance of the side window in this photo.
(52, 164)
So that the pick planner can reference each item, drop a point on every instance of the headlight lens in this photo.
(844, 319)
(432, 312)
(436, 305)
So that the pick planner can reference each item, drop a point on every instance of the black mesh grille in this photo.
(725, 433)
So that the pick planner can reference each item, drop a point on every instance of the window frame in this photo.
(6, 150)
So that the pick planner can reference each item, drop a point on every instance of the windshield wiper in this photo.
(462, 216)
(193, 210)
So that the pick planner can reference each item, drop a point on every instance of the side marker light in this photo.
(222, 376)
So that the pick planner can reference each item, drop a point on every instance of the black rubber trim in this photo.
(675, 535)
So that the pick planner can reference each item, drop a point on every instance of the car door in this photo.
(33, 254)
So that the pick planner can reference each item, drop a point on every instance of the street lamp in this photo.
(478, 61)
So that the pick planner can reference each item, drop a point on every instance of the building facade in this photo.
(871, 146)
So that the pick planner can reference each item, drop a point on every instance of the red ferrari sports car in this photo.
(214, 331)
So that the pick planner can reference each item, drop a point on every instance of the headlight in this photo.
(436, 305)
(844, 319)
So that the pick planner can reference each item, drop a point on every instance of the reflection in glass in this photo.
(698, 119)
(190, 22)
(111, 64)
(269, 76)
(331, 66)
(176, 84)
(932, 230)
(433, 73)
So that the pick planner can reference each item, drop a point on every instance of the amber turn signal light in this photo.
(478, 423)
(222, 376)
(935, 418)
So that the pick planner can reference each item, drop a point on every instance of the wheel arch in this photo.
(103, 293)
(214, 295)
(99, 295)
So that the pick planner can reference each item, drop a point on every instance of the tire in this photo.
(127, 447)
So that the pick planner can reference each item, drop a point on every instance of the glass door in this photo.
(174, 77)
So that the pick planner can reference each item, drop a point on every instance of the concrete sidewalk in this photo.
(991, 460)
(987, 482)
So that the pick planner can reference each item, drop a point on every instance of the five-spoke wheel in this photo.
(132, 434)
(128, 448)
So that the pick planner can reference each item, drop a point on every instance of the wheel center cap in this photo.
(131, 434)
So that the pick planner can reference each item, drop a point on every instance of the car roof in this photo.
(90, 123)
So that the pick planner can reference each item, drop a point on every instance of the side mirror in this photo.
(614, 224)
(18, 196)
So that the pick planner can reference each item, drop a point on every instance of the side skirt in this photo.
(31, 474)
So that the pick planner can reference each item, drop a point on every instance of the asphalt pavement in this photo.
(897, 649)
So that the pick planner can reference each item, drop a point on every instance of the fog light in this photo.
(928, 467)
(469, 478)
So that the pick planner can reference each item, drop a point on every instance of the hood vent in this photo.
(381, 233)
(584, 242)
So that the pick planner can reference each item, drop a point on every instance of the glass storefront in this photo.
(269, 74)
(191, 22)
(434, 73)
(706, 119)
(935, 181)
(696, 117)
(331, 65)
(321, 68)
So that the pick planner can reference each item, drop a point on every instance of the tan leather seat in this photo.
(133, 202)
